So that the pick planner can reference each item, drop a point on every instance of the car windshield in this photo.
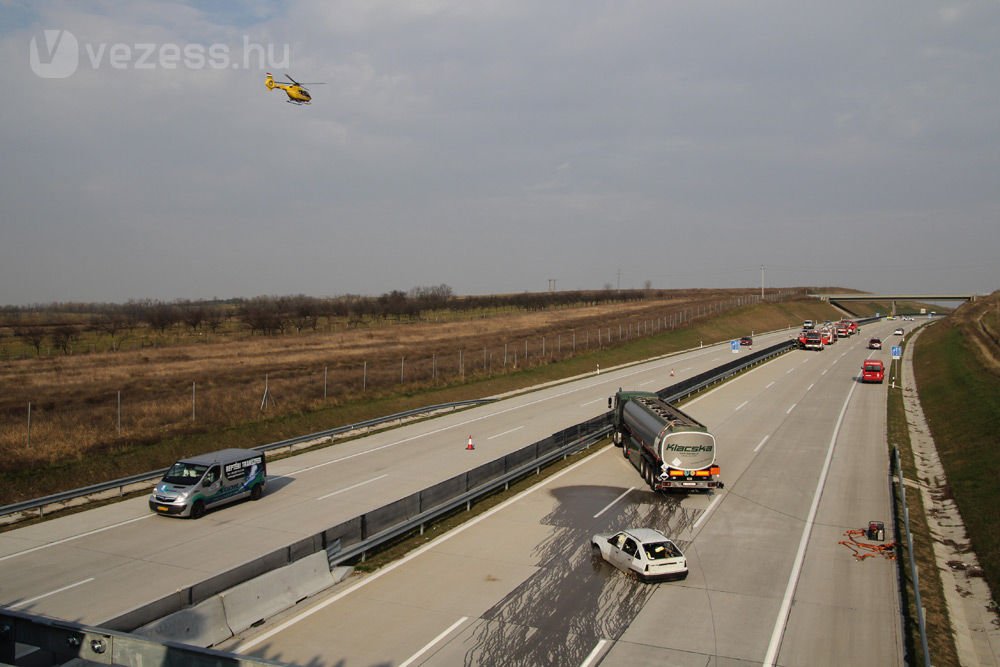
(184, 474)
(660, 550)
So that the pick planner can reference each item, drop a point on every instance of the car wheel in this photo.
(256, 492)
(198, 509)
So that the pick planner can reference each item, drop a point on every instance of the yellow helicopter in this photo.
(297, 93)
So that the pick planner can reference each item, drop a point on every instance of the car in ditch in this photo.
(643, 553)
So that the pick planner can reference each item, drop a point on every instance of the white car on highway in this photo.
(644, 553)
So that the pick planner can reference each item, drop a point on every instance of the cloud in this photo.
(492, 146)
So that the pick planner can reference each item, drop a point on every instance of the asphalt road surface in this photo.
(802, 452)
(804, 457)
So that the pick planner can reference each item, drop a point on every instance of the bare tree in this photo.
(31, 335)
(114, 323)
(63, 338)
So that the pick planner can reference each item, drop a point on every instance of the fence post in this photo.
(193, 389)
(364, 379)
(28, 443)
(119, 413)
(325, 372)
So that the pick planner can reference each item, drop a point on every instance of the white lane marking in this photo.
(381, 572)
(24, 603)
(789, 371)
(596, 400)
(353, 486)
(789, 410)
(615, 378)
(707, 510)
(716, 358)
(741, 405)
(810, 386)
(761, 444)
(769, 385)
(611, 504)
(516, 428)
(824, 371)
(685, 369)
(643, 384)
(793, 578)
(409, 661)
(75, 537)
(593, 654)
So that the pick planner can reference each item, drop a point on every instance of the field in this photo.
(101, 415)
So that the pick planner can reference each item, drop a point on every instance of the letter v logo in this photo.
(59, 56)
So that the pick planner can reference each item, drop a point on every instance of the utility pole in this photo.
(761, 282)
(619, 286)
(552, 284)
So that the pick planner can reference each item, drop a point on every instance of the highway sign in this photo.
(734, 345)
(897, 351)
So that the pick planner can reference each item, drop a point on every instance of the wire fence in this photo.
(49, 427)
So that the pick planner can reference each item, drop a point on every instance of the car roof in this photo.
(646, 535)
(221, 456)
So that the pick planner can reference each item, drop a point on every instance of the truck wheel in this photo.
(256, 492)
(198, 509)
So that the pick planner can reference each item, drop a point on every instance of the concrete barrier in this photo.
(201, 625)
(275, 591)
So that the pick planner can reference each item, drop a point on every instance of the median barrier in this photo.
(275, 591)
(355, 537)
(203, 625)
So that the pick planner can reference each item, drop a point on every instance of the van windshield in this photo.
(184, 474)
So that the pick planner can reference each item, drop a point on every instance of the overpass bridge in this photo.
(893, 298)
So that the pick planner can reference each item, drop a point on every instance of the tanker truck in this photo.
(671, 450)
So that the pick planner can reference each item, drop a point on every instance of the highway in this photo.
(802, 454)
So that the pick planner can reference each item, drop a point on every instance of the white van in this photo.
(194, 485)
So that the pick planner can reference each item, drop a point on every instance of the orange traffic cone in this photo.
(470, 446)
(671, 372)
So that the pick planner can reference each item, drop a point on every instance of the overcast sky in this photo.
(492, 146)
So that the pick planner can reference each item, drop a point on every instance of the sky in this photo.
(495, 145)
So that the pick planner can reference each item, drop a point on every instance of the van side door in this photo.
(211, 485)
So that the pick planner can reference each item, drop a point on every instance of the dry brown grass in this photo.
(74, 398)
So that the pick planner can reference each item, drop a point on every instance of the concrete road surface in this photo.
(803, 453)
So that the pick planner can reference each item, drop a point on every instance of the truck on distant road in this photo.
(670, 449)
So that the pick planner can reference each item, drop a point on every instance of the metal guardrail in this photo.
(340, 555)
(921, 621)
(360, 535)
(124, 482)
(694, 384)
(50, 641)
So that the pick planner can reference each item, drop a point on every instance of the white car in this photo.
(644, 553)
(898, 332)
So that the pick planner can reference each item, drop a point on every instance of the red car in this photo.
(872, 371)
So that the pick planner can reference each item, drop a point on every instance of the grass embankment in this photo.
(940, 643)
(957, 364)
(85, 468)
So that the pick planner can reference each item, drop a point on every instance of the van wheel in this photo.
(256, 492)
(198, 509)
